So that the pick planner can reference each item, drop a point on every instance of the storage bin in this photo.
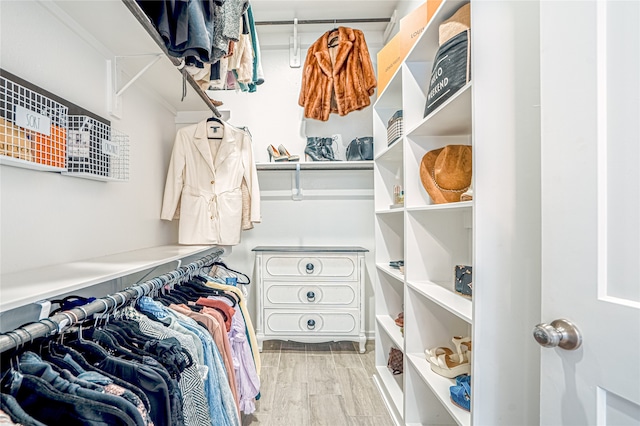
(33, 127)
(96, 150)
(394, 127)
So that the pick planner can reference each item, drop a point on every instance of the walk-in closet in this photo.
(257, 212)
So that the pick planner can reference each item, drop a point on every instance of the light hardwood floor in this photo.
(318, 384)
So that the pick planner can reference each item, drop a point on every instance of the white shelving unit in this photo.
(431, 238)
(22, 288)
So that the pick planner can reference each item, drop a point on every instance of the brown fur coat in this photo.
(338, 86)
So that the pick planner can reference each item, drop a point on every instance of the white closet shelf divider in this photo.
(25, 287)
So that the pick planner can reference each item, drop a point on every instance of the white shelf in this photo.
(458, 305)
(24, 164)
(461, 205)
(132, 44)
(316, 165)
(440, 387)
(451, 118)
(391, 153)
(91, 176)
(390, 211)
(22, 288)
(391, 388)
(388, 324)
(392, 272)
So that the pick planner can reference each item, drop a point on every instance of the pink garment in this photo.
(219, 304)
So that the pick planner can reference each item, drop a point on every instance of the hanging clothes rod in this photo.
(326, 21)
(62, 320)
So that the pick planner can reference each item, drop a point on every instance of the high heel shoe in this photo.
(283, 151)
(274, 154)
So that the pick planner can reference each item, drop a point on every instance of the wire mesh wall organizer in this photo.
(96, 151)
(33, 127)
(63, 320)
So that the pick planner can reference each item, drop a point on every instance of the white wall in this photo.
(337, 206)
(48, 218)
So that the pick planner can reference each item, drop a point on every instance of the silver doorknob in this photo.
(560, 333)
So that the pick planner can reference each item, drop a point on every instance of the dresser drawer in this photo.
(305, 322)
(311, 294)
(336, 267)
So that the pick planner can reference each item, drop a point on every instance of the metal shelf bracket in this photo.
(115, 75)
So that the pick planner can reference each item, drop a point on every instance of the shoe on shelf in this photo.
(400, 320)
(448, 364)
(274, 154)
(283, 151)
(461, 394)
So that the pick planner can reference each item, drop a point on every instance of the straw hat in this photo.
(459, 22)
(446, 173)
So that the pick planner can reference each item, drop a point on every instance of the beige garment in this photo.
(217, 329)
(242, 59)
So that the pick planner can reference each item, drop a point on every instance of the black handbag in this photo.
(360, 149)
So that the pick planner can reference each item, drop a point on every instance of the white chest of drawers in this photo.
(310, 294)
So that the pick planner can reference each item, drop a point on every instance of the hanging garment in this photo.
(339, 79)
(204, 177)
(222, 406)
(247, 378)
(196, 406)
(258, 74)
(245, 312)
(226, 26)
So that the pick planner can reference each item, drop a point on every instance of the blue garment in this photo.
(222, 409)
(218, 384)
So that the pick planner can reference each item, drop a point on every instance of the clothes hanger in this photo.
(333, 41)
(218, 130)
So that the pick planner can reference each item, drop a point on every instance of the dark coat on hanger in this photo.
(339, 86)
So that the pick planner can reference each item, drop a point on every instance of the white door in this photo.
(590, 114)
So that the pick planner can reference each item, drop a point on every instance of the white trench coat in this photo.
(205, 184)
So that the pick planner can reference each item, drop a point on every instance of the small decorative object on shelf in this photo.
(398, 197)
(33, 127)
(96, 151)
(446, 173)
(394, 127)
(452, 66)
(464, 280)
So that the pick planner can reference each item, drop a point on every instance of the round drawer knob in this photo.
(311, 296)
(311, 324)
(309, 268)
